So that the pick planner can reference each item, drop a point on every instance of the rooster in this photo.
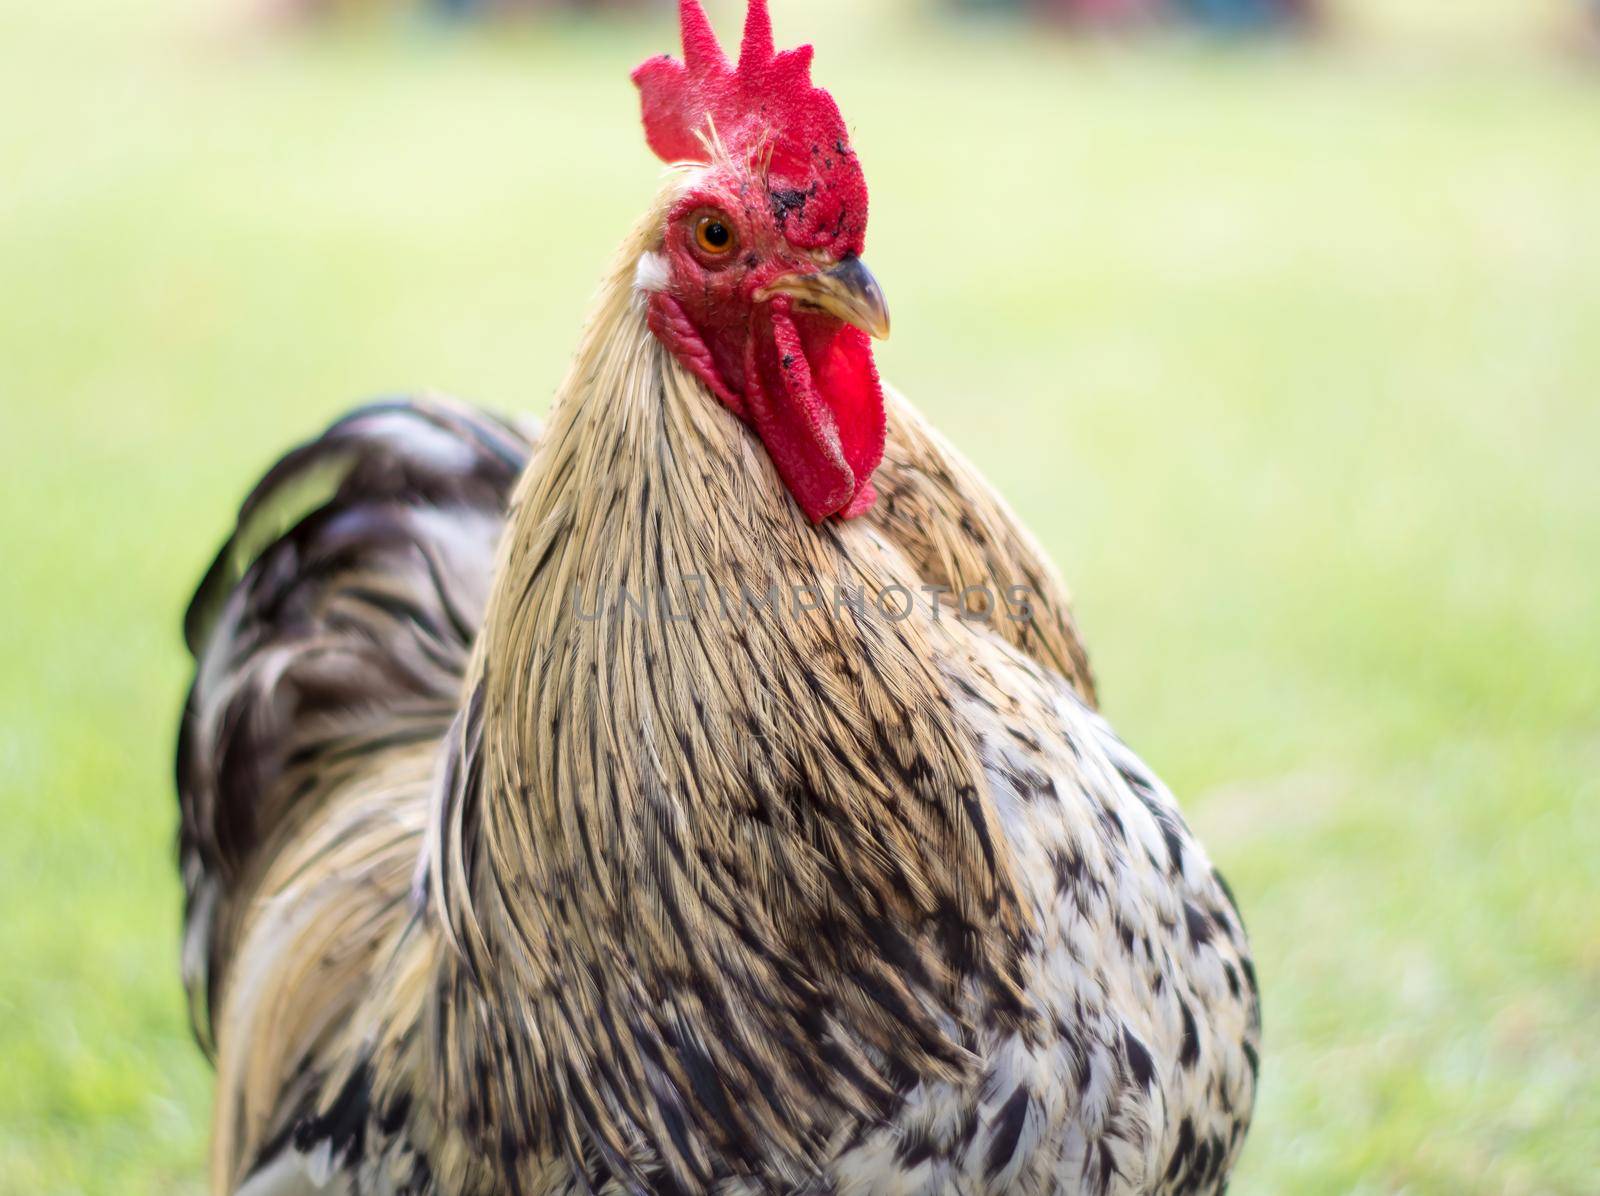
(704, 793)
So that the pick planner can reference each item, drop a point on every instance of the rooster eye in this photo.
(713, 236)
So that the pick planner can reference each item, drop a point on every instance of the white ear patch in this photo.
(651, 273)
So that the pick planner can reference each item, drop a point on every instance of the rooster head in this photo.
(758, 287)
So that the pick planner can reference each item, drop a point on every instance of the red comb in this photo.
(765, 105)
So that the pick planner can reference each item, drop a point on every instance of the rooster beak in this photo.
(847, 291)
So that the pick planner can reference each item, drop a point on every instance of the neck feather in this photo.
(695, 840)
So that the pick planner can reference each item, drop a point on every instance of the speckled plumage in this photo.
(488, 895)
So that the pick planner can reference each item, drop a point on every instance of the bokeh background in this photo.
(1288, 347)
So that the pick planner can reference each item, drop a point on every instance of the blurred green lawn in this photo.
(1291, 356)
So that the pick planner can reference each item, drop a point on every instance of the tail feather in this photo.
(336, 622)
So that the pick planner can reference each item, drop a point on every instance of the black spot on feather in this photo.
(396, 1115)
(343, 1127)
(1140, 1064)
(1007, 1131)
(914, 1149)
(1191, 1037)
(1181, 1153)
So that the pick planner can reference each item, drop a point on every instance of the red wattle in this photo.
(846, 376)
(814, 398)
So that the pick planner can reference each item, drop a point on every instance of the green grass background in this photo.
(1290, 354)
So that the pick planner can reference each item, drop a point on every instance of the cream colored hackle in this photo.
(653, 797)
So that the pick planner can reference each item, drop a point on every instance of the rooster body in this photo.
(502, 882)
